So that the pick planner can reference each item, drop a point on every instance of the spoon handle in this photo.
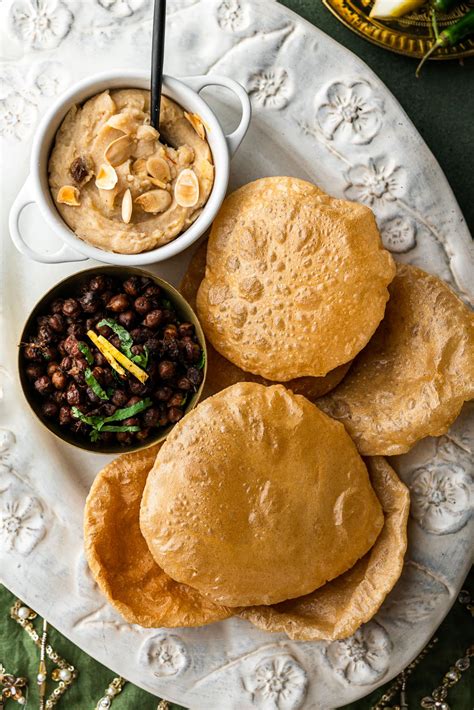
(157, 53)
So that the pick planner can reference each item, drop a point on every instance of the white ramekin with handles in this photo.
(185, 92)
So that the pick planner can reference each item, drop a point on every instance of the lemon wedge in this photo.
(106, 347)
(394, 8)
(105, 352)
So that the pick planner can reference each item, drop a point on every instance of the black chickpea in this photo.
(57, 323)
(151, 417)
(132, 286)
(153, 319)
(176, 400)
(98, 283)
(52, 367)
(185, 384)
(59, 380)
(65, 416)
(57, 306)
(90, 302)
(143, 305)
(49, 409)
(127, 319)
(163, 394)
(71, 307)
(32, 352)
(175, 414)
(66, 363)
(119, 398)
(118, 303)
(34, 371)
(43, 385)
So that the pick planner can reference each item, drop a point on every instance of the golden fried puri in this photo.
(415, 374)
(337, 609)
(257, 497)
(119, 557)
(221, 373)
(296, 281)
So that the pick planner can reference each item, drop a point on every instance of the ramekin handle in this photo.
(197, 83)
(24, 198)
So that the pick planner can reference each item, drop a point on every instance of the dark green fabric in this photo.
(441, 105)
(19, 655)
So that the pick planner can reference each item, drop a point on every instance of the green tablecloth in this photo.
(441, 105)
(20, 656)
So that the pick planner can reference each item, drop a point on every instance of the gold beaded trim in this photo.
(64, 673)
(113, 689)
(13, 687)
(399, 685)
(437, 699)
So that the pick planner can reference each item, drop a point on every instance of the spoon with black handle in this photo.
(157, 53)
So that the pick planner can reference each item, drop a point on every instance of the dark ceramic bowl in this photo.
(70, 286)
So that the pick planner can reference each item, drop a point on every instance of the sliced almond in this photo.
(139, 166)
(147, 133)
(143, 149)
(186, 189)
(185, 156)
(119, 151)
(107, 198)
(171, 154)
(127, 206)
(197, 123)
(154, 201)
(106, 178)
(158, 183)
(158, 168)
(69, 195)
(122, 122)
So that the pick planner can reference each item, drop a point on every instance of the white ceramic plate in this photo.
(320, 113)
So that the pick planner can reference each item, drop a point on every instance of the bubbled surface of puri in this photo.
(415, 374)
(296, 281)
(222, 373)
(257, 496)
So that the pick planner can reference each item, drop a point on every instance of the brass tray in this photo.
(411, 35)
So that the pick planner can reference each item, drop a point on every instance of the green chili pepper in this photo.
(142, 359)
(94, 421)
(126, 342)
(202, 361)
(124, 336)
(98, 423)
(85, 350)
(94, 385)
(127, 412)
(133, 427)
(451, 36)
(445, 5)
